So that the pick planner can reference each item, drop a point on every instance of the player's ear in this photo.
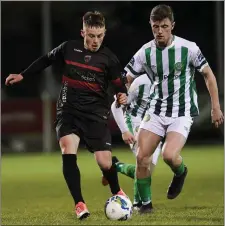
(82, 33)
(173, 25)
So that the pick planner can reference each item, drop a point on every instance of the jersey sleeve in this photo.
(45, 61)
(57, 53)
(136, 65)
(115, 75)
(197, 58)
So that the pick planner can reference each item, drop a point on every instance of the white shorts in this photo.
(161, 125)
(133, 124)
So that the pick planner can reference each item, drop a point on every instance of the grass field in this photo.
(34, 191)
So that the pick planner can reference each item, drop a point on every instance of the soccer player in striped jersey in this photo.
(170, 62)
(129, 122)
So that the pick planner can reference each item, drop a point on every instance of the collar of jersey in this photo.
(167, 47)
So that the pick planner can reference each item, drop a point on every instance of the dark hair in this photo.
(161, 12)
(94, 19)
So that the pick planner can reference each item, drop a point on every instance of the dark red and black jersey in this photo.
(85, 80)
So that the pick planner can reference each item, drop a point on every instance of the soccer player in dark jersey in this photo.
(83, 105)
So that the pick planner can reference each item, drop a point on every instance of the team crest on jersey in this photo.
(87, 58)
(146, 118)
(178, 66)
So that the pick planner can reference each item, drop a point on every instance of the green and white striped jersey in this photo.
(138, 96)
(171, 71)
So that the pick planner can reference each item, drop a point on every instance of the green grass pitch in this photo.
(33, 190)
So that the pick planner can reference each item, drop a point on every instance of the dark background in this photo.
(128, 29)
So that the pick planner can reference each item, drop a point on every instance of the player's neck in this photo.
(168, 43)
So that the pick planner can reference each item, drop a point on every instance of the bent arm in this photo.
(119, 118)
(130, 79)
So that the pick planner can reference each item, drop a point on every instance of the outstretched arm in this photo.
(38, 65)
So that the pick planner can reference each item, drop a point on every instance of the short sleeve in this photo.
(197, 58)
(136, 65)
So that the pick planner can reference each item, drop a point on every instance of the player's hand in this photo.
(13, 78)
(128, 137)
(217, 117)
(121, 98)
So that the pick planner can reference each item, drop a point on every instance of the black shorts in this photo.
(96, 135)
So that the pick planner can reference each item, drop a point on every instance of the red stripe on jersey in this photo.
(84, 66)
(117, 82)
(81, 84)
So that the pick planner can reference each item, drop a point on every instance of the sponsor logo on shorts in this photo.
(107, 143)
(137, 128)
(186, 128)
(146, 118)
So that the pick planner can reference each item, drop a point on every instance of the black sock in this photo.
(112, 178)
(71, 174)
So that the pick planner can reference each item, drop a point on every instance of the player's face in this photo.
(93, 37)
(162, 31)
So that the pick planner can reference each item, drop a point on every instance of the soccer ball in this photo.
(118, 207)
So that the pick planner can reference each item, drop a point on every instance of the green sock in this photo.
(144, 189)
(137, 197)
(126, 169)
(178, 170)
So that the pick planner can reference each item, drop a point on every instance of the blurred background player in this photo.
(171, 62)
(128, 120)
(83, 105)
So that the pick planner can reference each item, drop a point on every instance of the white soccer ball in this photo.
(118, 207)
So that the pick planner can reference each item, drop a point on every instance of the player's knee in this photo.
(142, 160)
(104, 159)
(105, 165)
(65, 146)
(168, 157)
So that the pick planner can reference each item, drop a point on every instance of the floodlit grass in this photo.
(34, 191)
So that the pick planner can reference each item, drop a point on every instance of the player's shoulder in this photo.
(109, 53)
(74, 43)
(147, 45)
(185, 43)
